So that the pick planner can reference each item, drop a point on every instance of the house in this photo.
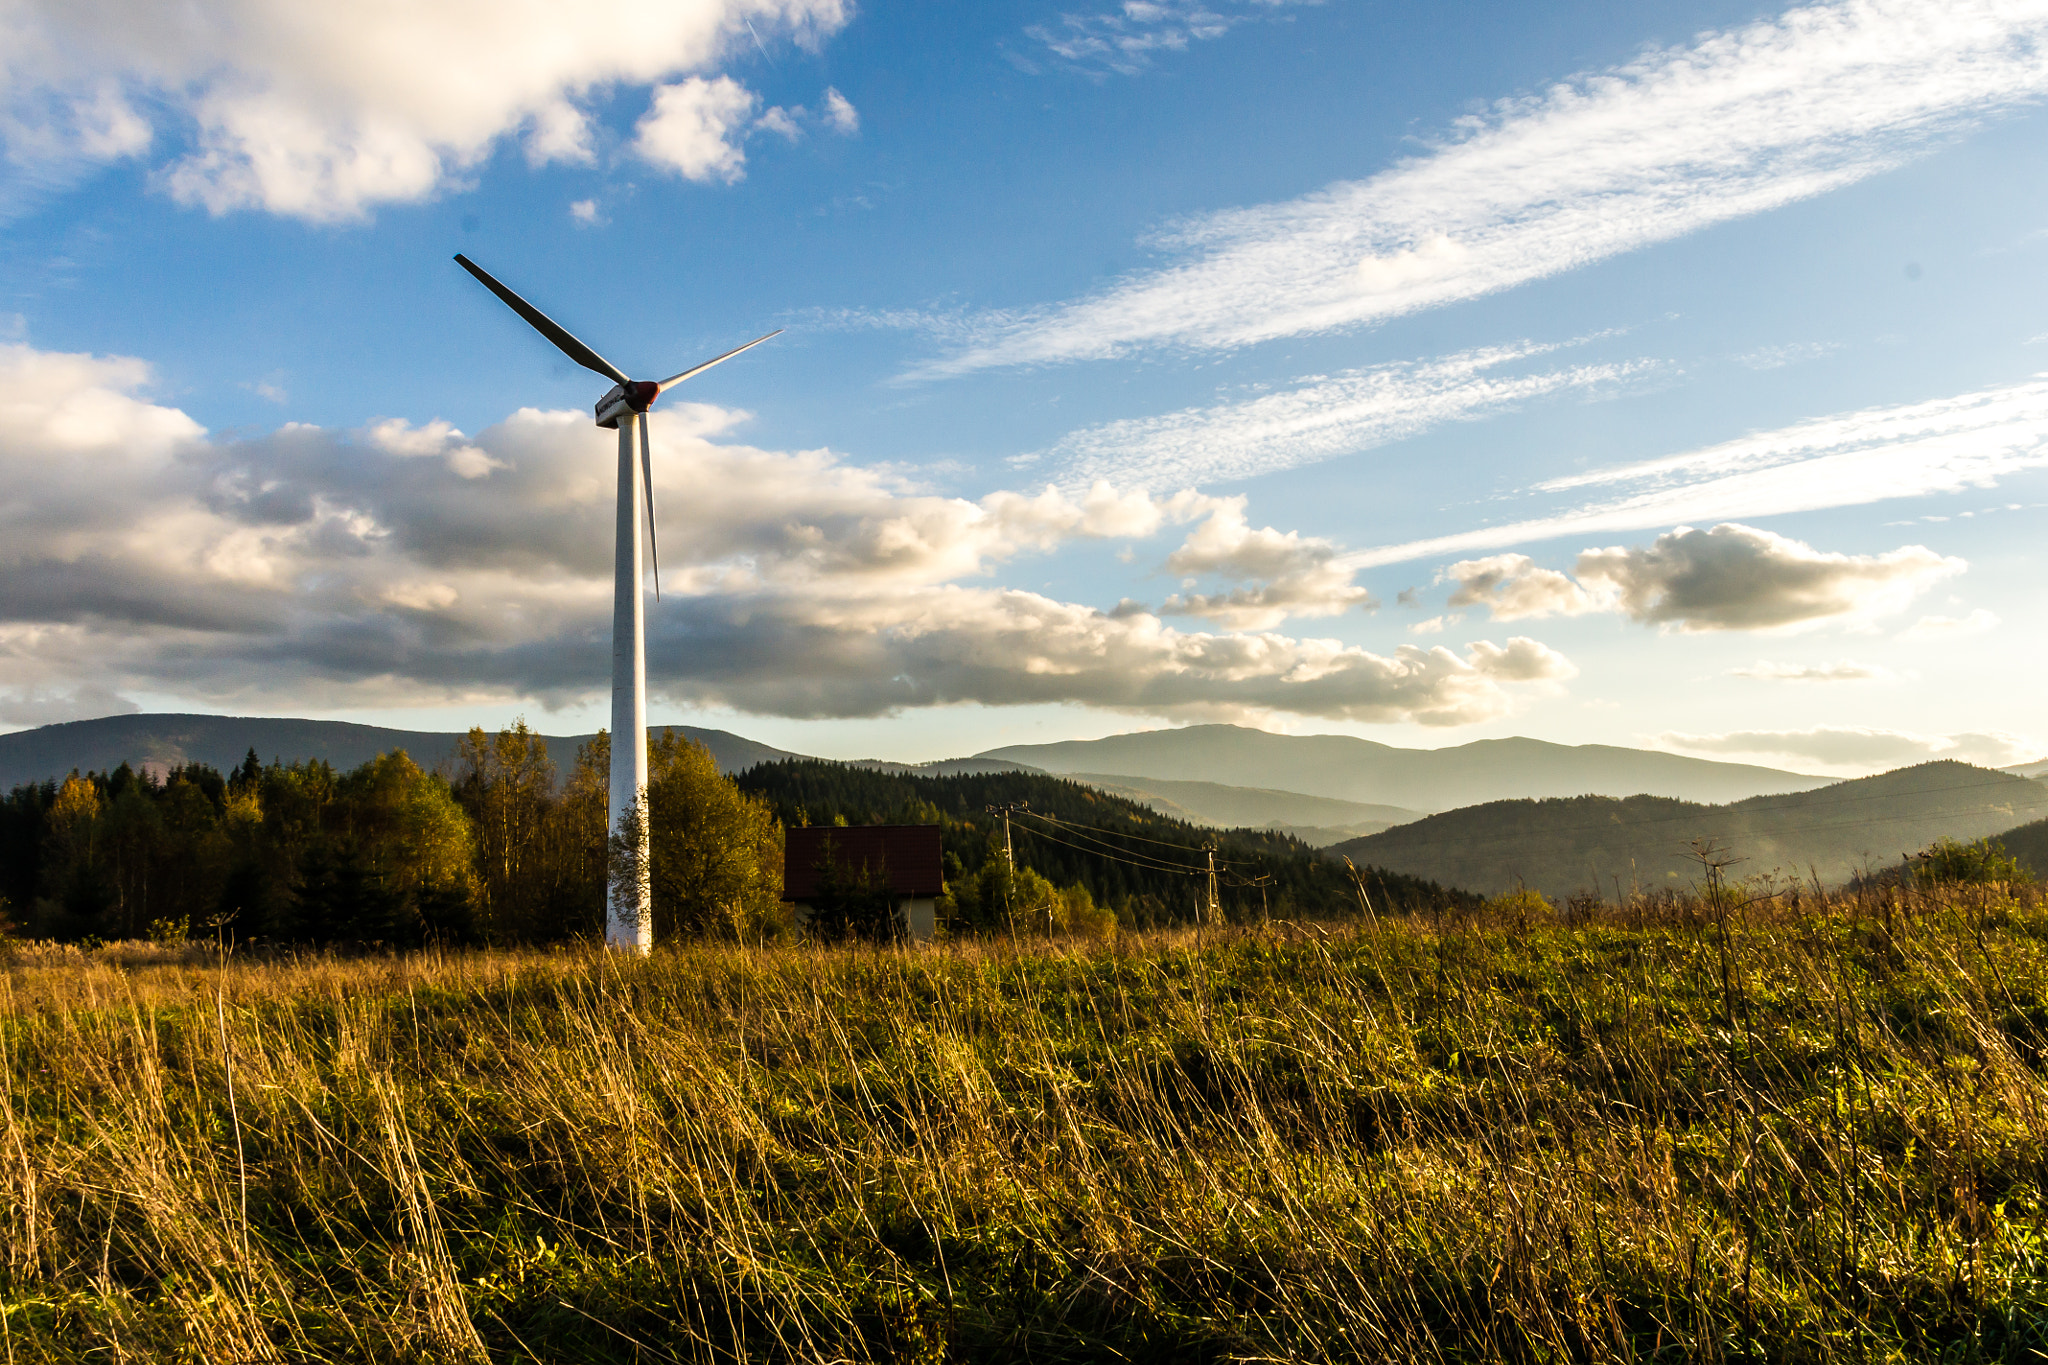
(903, 859)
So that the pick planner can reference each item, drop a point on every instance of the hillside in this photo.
(1150, 866)
(1317, 820)
(1562, 845)
(1349, 769)
(2029, 844)
(221, 742)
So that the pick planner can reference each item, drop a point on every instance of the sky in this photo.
(1668, 375)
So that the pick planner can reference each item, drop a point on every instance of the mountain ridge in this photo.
(1563, 845)
(173, 738)
(1347, 768)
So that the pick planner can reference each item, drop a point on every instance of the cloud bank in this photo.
(1738, 123)
(1731, 577)
(1855, 749)
(409, 564)
(323, 111)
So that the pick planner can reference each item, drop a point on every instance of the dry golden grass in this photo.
(1683, 1132)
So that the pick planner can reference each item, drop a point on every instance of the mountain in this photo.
(1559, 846)
(1351, 769)
(1316, 820)
(221, 741)
(2038, 768)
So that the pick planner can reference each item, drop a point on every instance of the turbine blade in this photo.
(647, 483)
(699, 369)
(547, 326)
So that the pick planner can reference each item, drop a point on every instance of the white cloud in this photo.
(1320, 418)
(1732, 577)
(1766, 670)
(1792, 353)
(1739, 578)
(42, 706)
(407, 563)
(1940, 627)
(782, 122)
(840, 115)
(1287, 574)
(1737, 123)
(695, 126)
(585, 213)
(1512, 588)
(323, 111)
(1914, 450)
(1857, 749)
(1125, 40)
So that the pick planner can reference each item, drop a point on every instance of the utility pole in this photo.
(1215, 911)
(1009, 858)
(1005, 810)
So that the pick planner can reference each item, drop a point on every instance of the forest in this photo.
(507, 846)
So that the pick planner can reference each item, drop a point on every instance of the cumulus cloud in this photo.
(405, 563)
(840, 115)
(695, 127)
(1739, 578)
(1284, 574)
(1320, 417)
(1857, 749)
(1766, 670)
(1512, 588)
(323, 111)
(1913, 450)
(1732, 577)
(1736, 123)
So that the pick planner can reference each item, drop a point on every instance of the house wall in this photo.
(920, 915)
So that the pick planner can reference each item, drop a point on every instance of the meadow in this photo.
(1767, 1124)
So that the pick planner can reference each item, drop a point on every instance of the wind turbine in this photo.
(628, 924)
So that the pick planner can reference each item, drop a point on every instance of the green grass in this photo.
(1818, 1135)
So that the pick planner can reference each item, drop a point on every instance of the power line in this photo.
(1085, 830)
(1118, 856)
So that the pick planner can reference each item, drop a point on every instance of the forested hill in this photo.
(164, 742)
(1145, 864)
(1563, 845)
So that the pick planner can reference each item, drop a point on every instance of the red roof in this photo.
(908, 854)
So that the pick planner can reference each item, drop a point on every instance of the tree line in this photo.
(501, 844)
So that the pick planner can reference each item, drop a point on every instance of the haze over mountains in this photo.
(1555, 817)
(222, 741)
(1318, 820)
(1563, 845)
(1360, 770)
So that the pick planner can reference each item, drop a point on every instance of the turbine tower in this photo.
(628, 924)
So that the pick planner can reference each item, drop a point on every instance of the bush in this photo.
(1949, 862)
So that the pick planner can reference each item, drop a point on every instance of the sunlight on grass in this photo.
(1768, 1129)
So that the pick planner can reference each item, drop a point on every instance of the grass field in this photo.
(1783, 1131)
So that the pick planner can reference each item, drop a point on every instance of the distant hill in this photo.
(1559, 846)
(1350, 769)
(2038, 768)
(2029, 844)
(1152, 865)
(168, 740)
(1315, 820)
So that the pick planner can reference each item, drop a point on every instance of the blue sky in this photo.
(1650, 374)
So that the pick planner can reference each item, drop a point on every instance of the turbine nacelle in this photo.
(635, 396)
